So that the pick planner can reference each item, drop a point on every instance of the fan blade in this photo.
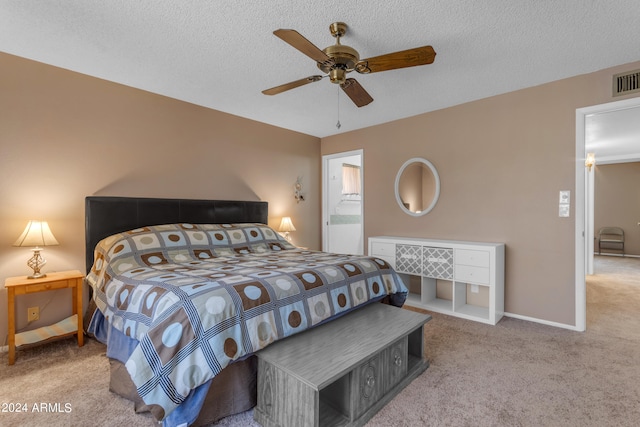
(358, 95)
(392, 61)
(291, 85)
(298, 41)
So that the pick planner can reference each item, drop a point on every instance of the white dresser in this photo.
(463, 279)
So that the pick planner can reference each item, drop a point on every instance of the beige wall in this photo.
(65, 136)
(502, 162)
(617, 202)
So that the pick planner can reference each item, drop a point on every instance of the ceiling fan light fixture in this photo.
(338, 76)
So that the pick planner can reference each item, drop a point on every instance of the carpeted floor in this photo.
(516, 373)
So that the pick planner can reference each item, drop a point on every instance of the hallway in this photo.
(613, 297)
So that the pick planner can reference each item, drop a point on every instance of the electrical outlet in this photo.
(475, 289)
(33, 314)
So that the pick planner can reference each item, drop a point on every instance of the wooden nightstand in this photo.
(53, 281)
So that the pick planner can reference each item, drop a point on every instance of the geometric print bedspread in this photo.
(197, 297)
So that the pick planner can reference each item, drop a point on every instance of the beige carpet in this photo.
(517, 373)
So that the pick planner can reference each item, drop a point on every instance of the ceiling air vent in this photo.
(626, 83)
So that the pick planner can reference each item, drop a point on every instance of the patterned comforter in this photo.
(197, 297)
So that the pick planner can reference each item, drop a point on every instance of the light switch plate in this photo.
(564, 211)
(565, 196)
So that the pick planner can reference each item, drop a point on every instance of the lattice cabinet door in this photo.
(409, 259)
(437, 262)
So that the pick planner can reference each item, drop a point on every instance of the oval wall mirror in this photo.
(417, 186)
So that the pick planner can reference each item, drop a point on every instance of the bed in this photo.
(184, 292)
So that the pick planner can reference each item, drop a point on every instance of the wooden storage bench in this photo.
(343, 372)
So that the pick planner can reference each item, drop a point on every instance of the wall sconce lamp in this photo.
(590, 161)
(37, 233)
(286, 226)
(297, 193)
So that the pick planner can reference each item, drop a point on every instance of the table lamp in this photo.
(286, 226)
(37, 233)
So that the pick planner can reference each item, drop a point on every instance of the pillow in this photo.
(181, 242)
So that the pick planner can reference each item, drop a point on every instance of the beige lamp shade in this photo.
(286, 225)
(37, 233)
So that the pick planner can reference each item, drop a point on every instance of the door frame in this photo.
(325, 194)
(584, 206)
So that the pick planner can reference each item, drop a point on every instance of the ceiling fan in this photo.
(338, 60)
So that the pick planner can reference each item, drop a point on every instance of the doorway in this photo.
(584, 233)
(343, 202)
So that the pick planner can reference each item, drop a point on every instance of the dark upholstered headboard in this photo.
(105, 216)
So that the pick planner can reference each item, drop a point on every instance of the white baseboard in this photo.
(618, 255)
(544, 322)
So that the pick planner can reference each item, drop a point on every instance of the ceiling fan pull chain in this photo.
(338, 125)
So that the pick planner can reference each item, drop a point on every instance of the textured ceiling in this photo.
(222, 54)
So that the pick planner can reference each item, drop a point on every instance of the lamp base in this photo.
(36, 262)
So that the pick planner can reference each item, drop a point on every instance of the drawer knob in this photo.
(371, 380)
(397, 360)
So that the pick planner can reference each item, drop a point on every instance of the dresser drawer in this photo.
(384, 249)
(470, 274)
(437, 263)
(48, 286)
(409, 259)
(474, 258)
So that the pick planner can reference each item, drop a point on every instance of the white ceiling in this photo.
(221, 53)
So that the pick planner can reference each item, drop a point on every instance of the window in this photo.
(350, 179)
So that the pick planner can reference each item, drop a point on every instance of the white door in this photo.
(342, 203)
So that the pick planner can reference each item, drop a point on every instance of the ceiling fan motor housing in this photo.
(344, 57)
